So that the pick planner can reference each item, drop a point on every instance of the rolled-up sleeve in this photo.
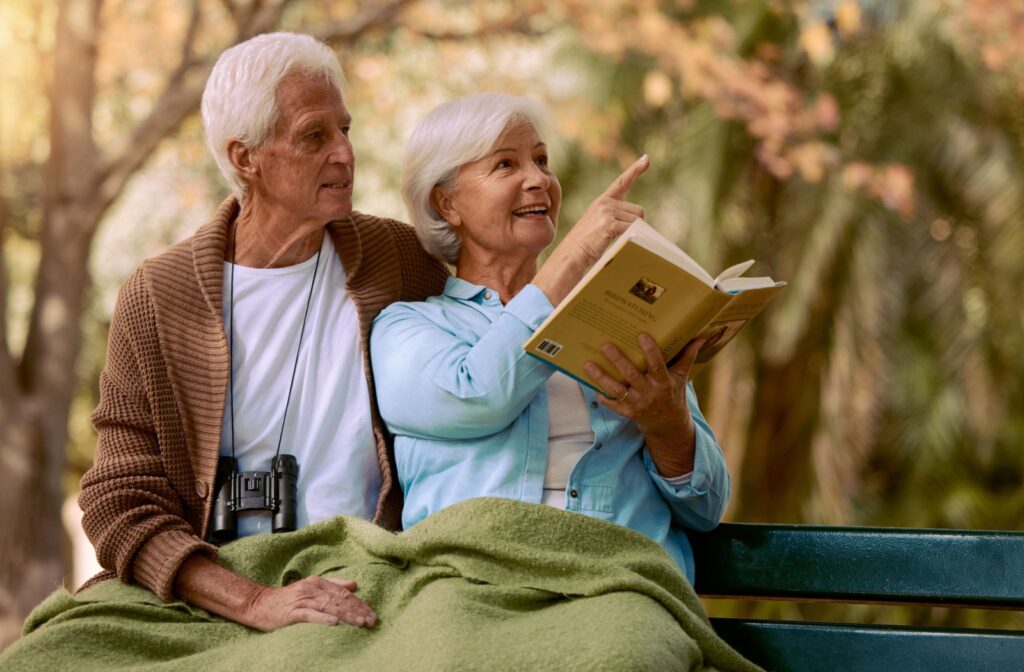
(700, 503)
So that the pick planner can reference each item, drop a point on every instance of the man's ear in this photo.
(243, 160)
(445, 206)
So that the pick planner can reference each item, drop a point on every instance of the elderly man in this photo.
(249, 341)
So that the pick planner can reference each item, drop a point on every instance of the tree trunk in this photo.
(35, 430)
(31, 564)
(777, 474)
(35, 435)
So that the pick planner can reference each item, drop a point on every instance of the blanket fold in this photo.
(488, 584)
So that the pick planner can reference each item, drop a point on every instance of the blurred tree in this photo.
(835, 142)
(870, 154)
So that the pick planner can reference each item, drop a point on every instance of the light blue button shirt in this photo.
(469, 411)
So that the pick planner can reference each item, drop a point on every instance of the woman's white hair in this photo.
(450, 136)
(240, 101)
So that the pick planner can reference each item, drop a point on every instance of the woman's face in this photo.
(506, 202)
(307, 167)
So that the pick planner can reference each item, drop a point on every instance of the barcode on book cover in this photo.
(549, 347)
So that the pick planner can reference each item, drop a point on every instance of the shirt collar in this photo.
(457, 288)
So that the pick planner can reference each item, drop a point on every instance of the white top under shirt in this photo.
(569, 437)
(328, 426)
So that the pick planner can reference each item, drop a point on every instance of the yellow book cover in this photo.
(643, 282)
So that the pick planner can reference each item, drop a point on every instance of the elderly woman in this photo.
(487, 419)
(225, 346)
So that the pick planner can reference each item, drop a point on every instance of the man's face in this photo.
(307, 167)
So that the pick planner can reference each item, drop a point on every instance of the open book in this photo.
(643, 282)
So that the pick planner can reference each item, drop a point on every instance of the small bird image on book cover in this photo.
(644, 282)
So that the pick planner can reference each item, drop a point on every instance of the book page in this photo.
(731, 320)
(734, 271)
(743, 284)
(644, 234)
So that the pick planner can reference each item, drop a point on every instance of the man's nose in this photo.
(341, 150)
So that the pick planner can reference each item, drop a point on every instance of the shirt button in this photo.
(201, 488)
(598, 446)
(487, 295)
(574, 494)
(593, 404)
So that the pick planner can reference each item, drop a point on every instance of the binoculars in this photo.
(275, 490)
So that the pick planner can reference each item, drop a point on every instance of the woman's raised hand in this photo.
(607, 216)
(604, 219)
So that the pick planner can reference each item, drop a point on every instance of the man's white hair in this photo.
(450, 136)
(240, 101)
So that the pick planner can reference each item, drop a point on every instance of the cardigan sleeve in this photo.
(131, 512)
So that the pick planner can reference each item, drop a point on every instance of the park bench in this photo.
(944, 568)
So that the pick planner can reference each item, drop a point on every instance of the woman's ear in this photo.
(445, 206)
(243, 160)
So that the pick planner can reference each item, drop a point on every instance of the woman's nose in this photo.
(536, 178)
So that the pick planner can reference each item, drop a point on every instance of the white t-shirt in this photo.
(569, 435)
(328, 426)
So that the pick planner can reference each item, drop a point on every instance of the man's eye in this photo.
(542, 160)
(345, 130)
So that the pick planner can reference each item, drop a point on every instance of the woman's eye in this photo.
(542, 160)
(504, 163)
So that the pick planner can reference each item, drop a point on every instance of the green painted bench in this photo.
(945, 568)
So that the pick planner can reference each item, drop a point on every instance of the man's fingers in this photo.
(335, 599)
(347, 584)
(349, 609)
(306, 615)
(620, 187)
(354, 611)
(359, 620)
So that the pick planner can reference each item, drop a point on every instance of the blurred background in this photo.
(868, 152)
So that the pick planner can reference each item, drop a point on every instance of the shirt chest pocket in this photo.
(596, 498)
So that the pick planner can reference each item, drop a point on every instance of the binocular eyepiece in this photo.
(275, 490)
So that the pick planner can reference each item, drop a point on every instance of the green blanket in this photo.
(488, 584)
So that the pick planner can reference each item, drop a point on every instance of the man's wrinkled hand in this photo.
(311, 600)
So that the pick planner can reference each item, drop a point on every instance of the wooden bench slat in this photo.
(858, 564)
(784, 646)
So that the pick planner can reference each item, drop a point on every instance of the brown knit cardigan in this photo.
(147, 498)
